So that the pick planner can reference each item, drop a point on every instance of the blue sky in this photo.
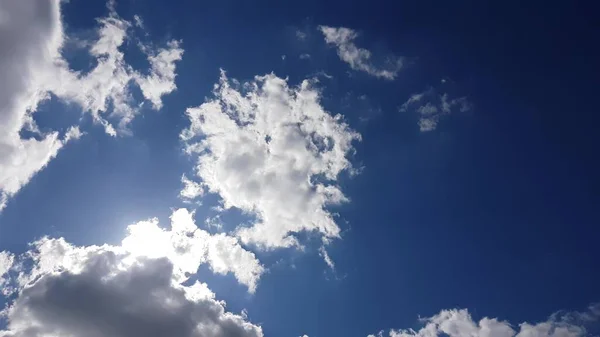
(342, 168)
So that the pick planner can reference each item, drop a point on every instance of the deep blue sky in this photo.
(496, 211)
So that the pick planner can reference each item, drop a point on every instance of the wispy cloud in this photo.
(359, 58)
(431, 106)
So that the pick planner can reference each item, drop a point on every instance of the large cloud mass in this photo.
(272, 151)
(32, 67)
(140, 288)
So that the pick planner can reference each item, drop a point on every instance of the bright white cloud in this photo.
(161, 79)
(432, 106)
(105, 292)
(138, 288)
(32, 67)
(187, 247)
(272, 151)
(108, 84)
(191, 189)
(460, 323)
(6, 262)
(359, 58)
(30, 36)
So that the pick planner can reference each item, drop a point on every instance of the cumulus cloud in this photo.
(32, 68)
(191, 189)
(272, 151)
(359, 58)
(30, 35)
(139, 288)
(108, 84)
(460, 323)
(161, 79)
(188, 247)
(104, 291)
(431, 106)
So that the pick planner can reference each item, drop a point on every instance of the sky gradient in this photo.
(350, 168)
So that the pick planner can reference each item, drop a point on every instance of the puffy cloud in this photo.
(359, 58)
(32, 68)
(104, 291)
(191, 189)
(188, 247)
(109, 82)
(30, 36)
(272, 151)
(139, 288)
(432, 106)
(161, 79)
(459, 323)
(185, 245)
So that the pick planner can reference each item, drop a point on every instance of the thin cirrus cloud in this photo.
(431, 106)
(359, 58)
(139, 288)
(460, 323)
(272, 151)
(33, 68)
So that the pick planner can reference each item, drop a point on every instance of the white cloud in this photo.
(272, 151)
(105, 291)
(32, 68)
(432, 106)
(191, 189)
(138, 288)
(300, 35)
(161, 80)
(359, 58)
(185, 245)
(6, 262)
(109, 82)
(459, 323)
(30, 36)
(326, 258)
(188, 247)
(304, 56)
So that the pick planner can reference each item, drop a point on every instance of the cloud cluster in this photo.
(431, 106)
(32, 68)
(459, 323)
(108, 84)
(137, 289)
(359, 58)
(272, 151)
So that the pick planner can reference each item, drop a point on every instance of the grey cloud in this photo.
(105, 299)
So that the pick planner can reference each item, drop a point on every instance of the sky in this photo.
(314, 168)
